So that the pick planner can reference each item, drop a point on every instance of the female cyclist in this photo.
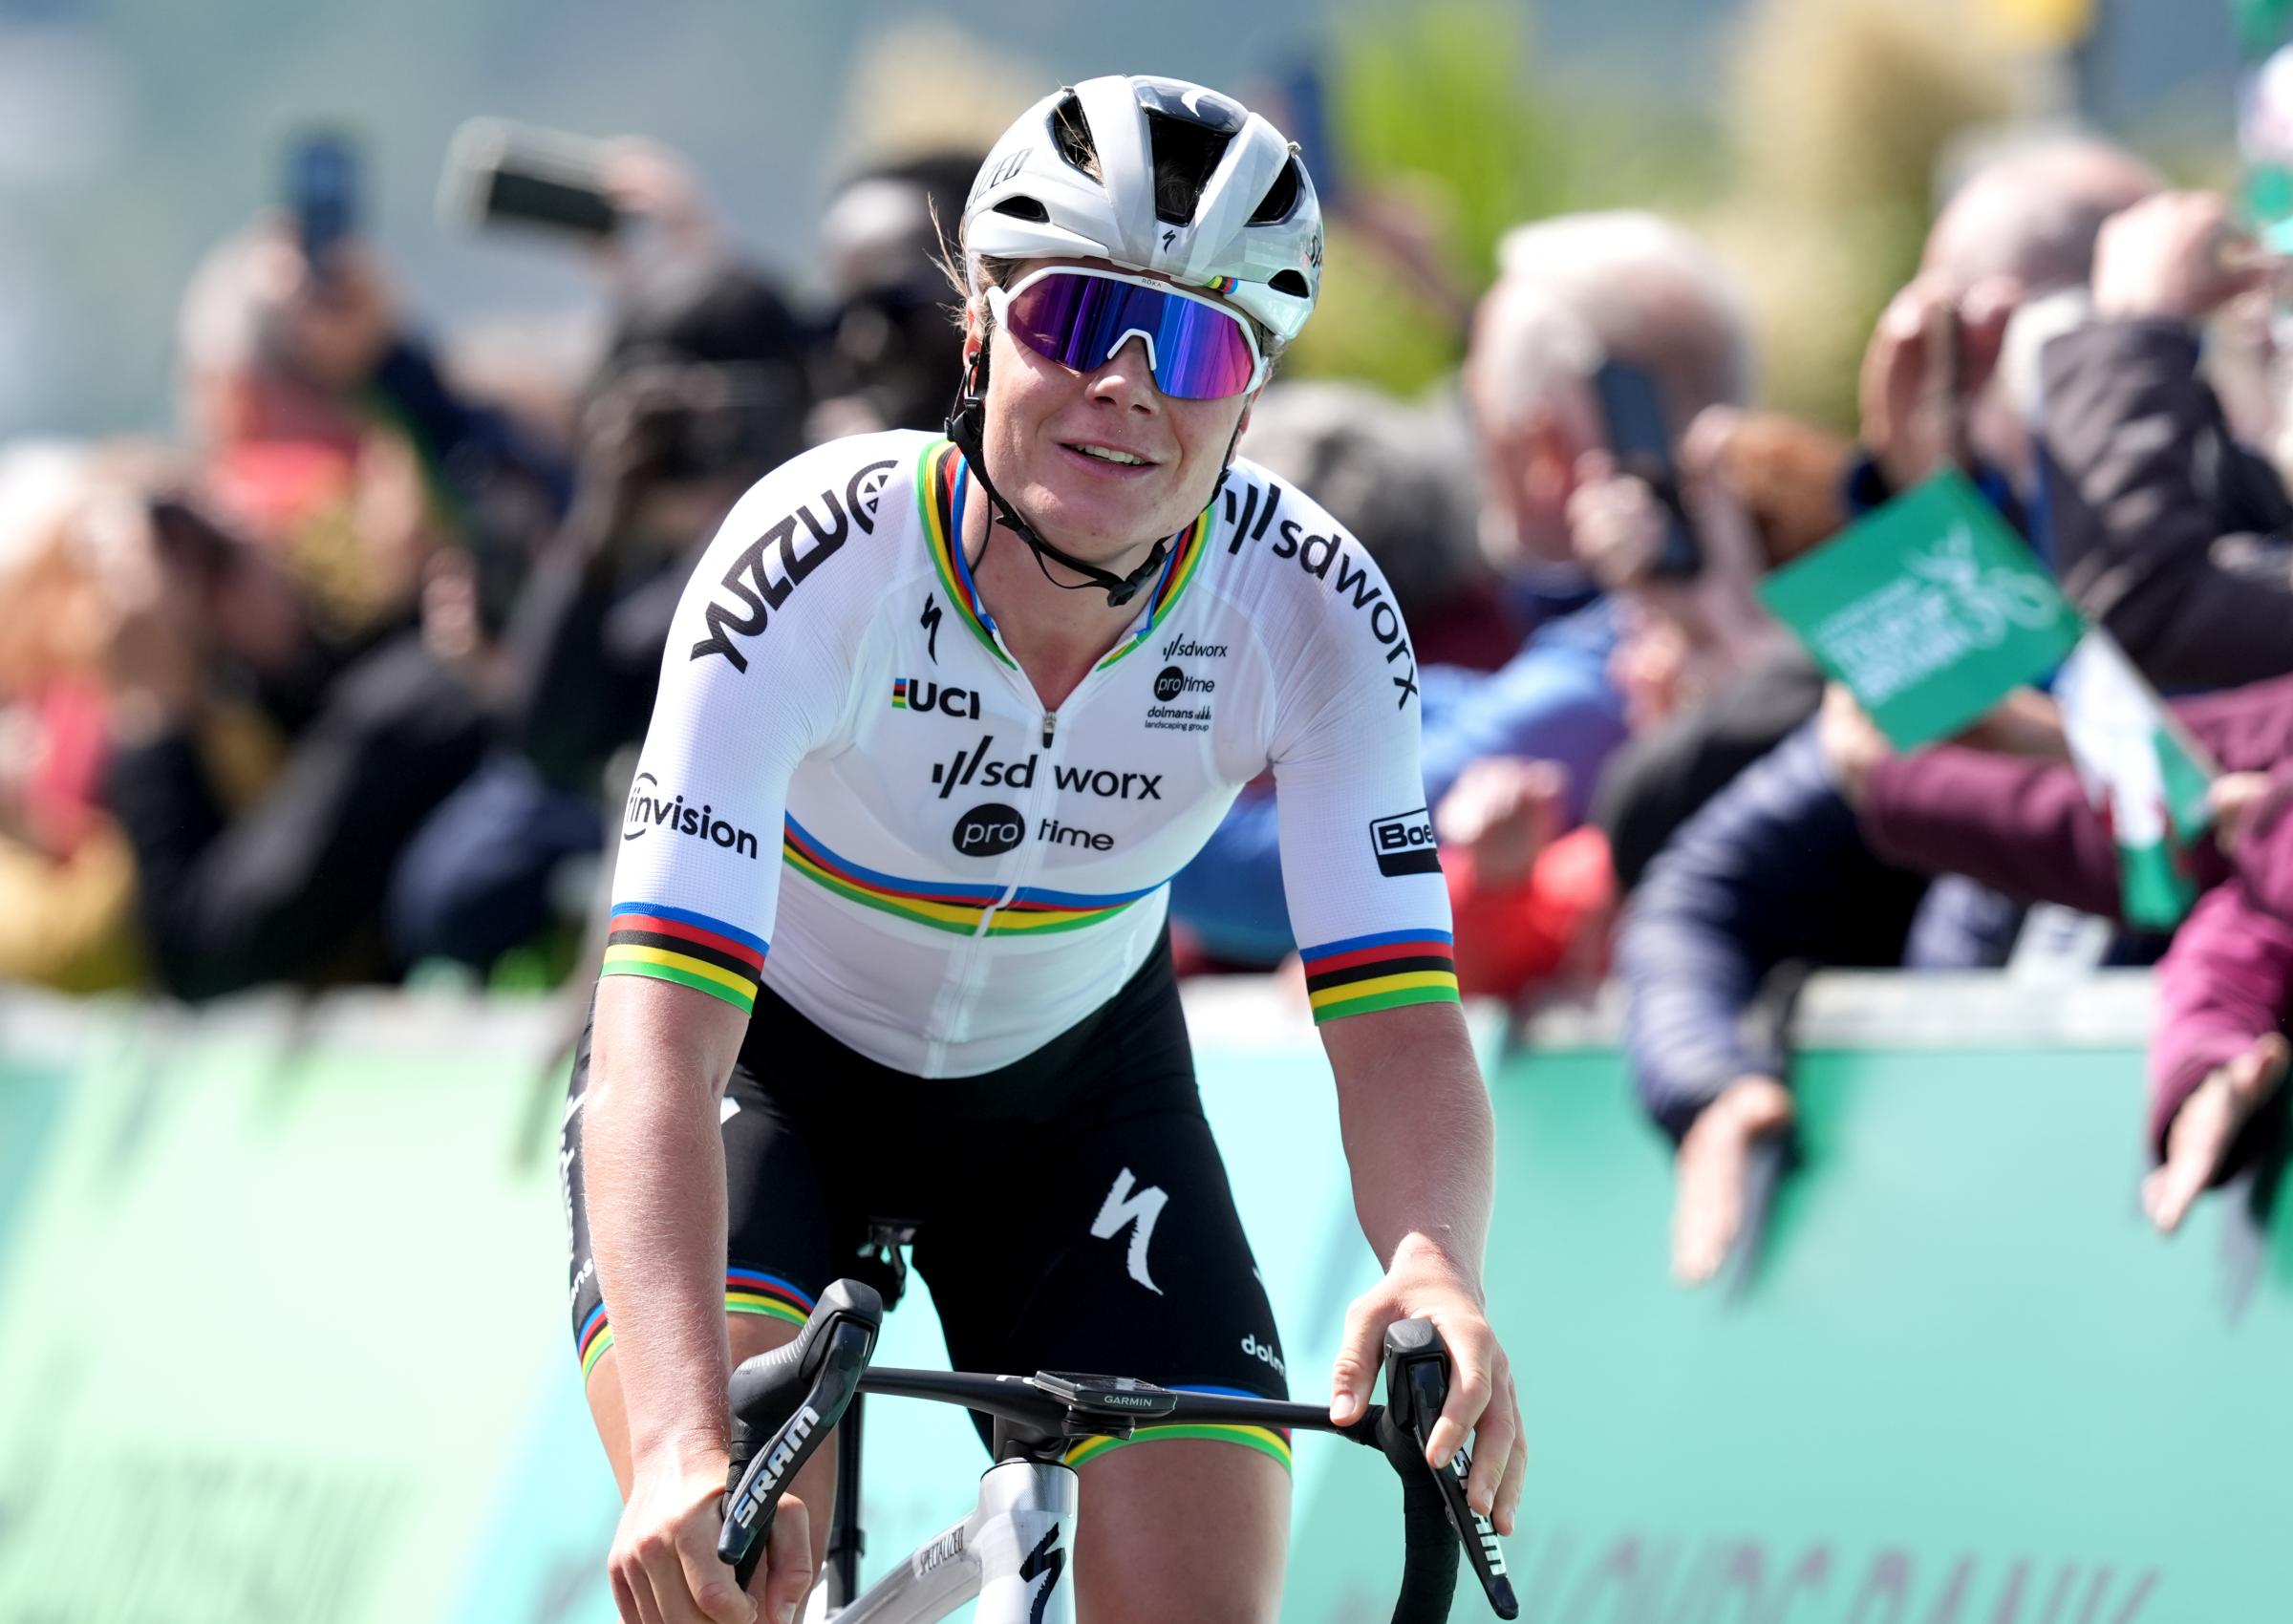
(938, 719)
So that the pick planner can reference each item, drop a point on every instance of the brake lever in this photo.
(1417, 1357)
(755, 1500)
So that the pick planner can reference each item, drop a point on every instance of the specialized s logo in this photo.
(1126, 1204)
(648, 811)
(914, 694)
(1045, 1562)
(1403, 844)
(776, 563)
(929, 622)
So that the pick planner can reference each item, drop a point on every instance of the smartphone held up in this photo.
(503, 174)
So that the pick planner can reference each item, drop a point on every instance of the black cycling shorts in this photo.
(1070, 1211)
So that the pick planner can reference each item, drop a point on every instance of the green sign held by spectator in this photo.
(2264, 31)
(1930, 610)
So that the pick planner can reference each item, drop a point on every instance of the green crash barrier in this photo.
(1963, 1382)
(283, 1329)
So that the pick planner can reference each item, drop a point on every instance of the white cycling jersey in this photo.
(851, 792)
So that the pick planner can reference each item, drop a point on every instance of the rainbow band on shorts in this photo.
(746, 1290)
(676, 943)
(1273, 1441)
(1381, 973)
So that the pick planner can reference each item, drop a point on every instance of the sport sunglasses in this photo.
(1197, 347)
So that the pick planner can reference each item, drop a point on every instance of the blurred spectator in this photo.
(1575, 291)
(701, 393)
(1401, 478)
(2023, 822)
(66, 877)
(1948, 375)
(245, 875)
(2166, 530)
(1754, 882)
(890, 345)
(325, 432)
(1712, 684)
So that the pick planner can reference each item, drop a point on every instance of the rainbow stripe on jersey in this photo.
(746, 1290)
(676, 943)
(941, 483)
(949, 905)
(1273, 1441)
(1381, 973)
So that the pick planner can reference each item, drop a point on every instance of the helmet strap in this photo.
(966, 418)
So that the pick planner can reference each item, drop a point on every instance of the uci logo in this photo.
(989, 830)
(914, 693)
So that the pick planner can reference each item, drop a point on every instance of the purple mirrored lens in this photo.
(1078, 320)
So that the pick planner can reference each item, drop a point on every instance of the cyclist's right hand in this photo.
(664, 1564)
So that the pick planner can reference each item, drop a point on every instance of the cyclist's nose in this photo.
(1126, 377)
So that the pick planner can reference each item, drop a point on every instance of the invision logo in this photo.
(648, 811)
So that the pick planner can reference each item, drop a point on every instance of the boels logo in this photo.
(1403, 844)
(914, 693)
(989, 830)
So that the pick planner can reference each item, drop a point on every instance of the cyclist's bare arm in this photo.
(1420, 1141)
(653, 1167)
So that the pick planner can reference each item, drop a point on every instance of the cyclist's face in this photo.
(1045, 424)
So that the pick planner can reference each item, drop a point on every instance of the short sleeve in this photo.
(754, 679)
(1367, 901)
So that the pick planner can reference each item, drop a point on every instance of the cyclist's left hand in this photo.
(1423, 1283)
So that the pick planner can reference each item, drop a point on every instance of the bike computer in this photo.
(1105, 1394)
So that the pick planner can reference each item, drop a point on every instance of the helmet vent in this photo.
(1186, 155)
(1071, 135)
(1024, 208)
(1280, 198)
(1291, 283)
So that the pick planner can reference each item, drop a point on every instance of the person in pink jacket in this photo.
(2005, 807)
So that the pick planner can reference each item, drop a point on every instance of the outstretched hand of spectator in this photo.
(2245, 801)
(1932, 352)
(2208, 1124)
(1852, 744)
(2177, 256)
(1504, 811)
(1712, 1175)
(657, 184)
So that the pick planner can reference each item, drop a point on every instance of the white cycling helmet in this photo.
(1156, 175)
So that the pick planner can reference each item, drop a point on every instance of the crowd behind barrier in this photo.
(339, 683)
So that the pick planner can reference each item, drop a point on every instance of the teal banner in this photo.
(283, 1329)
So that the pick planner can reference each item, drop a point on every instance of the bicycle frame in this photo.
(1014, 1552)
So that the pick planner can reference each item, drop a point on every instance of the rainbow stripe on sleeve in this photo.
(1273, 1441)
(1381, 973)
(676, 943)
